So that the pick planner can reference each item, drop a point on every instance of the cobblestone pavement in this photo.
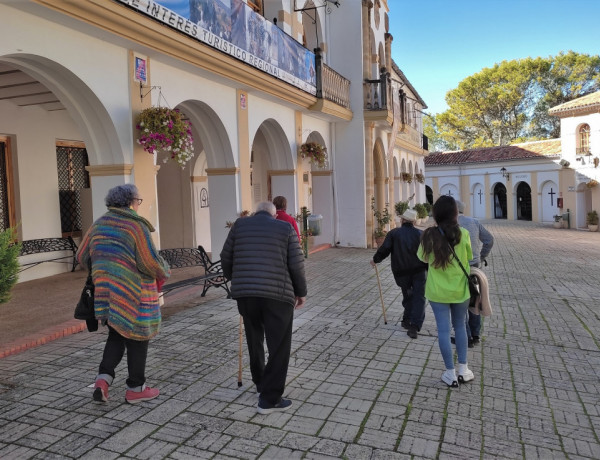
(361, 389)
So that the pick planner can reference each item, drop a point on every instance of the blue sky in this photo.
(438, 43)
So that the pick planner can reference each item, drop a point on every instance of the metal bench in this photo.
(49, 245)
(194, 257)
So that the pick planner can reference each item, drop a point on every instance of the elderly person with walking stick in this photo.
(263, 259)
(125, 268)
(409, 272)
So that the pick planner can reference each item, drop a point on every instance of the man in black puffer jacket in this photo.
(263, 259)
(409, 272)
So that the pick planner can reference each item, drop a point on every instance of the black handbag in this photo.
(473, 280)
(85, 307)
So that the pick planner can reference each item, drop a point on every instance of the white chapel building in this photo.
(532, 181)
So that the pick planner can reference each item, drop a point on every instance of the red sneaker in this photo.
(101, 390)
(134, 397)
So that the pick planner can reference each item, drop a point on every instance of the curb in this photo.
(45, 336)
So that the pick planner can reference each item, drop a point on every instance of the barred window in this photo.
(71, 160)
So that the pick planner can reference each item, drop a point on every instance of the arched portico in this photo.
(272, 165)
(193, 205)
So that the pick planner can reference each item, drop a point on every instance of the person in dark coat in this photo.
(409, 272)
(263, 259)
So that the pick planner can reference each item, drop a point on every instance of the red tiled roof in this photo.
(523, 151)
(585, 102)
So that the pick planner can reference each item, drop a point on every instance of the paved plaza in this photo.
(361, 389)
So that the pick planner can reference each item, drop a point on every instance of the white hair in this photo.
(266, 206)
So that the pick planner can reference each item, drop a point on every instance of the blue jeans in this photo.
(455, 314)
(413, 297)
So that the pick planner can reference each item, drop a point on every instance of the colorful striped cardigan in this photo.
(125, 268)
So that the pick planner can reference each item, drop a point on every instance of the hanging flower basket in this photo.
(316, 153)
(420, 178)
(407, 177)
(592, 183)
(163, 129)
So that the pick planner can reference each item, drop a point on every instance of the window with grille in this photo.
(71, 161)
(583, 140)
(4, 188)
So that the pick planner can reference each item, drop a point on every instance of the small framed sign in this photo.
(140, 69)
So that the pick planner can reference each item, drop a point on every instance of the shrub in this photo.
(592, 218)
(9, 251)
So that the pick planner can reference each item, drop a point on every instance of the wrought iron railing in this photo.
(378, 93)
(330, 84)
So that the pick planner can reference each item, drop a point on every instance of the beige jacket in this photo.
(483, 307)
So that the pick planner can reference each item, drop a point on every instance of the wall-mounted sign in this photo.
(140, 69)
(203, 198)
(243, 101)
(571, 188)
(234, 29)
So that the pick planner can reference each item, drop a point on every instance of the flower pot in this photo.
(593, 228)
(557, 224)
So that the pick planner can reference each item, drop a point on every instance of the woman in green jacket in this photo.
(447, 289)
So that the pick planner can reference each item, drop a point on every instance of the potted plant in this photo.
(400, 207)
(382, 218)
(164, 129)
(421, 212)
(592, 183)
(316, 153)
(407, 177)
(592, 221)
(557, 221)
(420, 178)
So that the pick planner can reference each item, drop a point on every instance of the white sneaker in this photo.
(464, 373)
(449, 378)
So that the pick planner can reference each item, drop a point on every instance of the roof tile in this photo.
(522, 151)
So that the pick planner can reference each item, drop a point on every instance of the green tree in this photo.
(509, 102)
(9, 265)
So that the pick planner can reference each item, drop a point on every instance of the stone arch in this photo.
(85, 108)
(190, 214)
(548, 201)
(478, 201)
(272, 163)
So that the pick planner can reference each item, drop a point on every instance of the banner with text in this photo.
(235, 29)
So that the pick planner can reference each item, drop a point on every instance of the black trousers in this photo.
(270, 319)
(137, 351)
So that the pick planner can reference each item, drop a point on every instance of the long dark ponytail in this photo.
(435, 239)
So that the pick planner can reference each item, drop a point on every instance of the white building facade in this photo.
(530, 181)
(74, 76)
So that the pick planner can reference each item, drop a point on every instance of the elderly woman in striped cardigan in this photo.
(126, 268)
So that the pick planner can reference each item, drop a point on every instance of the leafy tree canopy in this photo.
(509, 102)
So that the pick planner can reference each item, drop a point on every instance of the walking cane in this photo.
(380, 294)
(240, 354)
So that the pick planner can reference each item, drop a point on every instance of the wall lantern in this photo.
(505, 173)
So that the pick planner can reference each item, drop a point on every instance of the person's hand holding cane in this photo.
(299, 302)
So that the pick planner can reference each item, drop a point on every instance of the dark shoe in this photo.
(101, 390)
(452, 340)
(476, 339)
(405, 324)
(412, 332)
(265, 408)
(470, 344)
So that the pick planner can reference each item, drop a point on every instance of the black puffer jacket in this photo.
(262, 258)
(402, 243)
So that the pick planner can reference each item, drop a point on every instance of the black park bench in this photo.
(194, 257)
(49, 246)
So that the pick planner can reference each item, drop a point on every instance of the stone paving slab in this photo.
(361, 389)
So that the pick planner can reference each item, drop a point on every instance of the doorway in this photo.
(500, 201)
(523, 201)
